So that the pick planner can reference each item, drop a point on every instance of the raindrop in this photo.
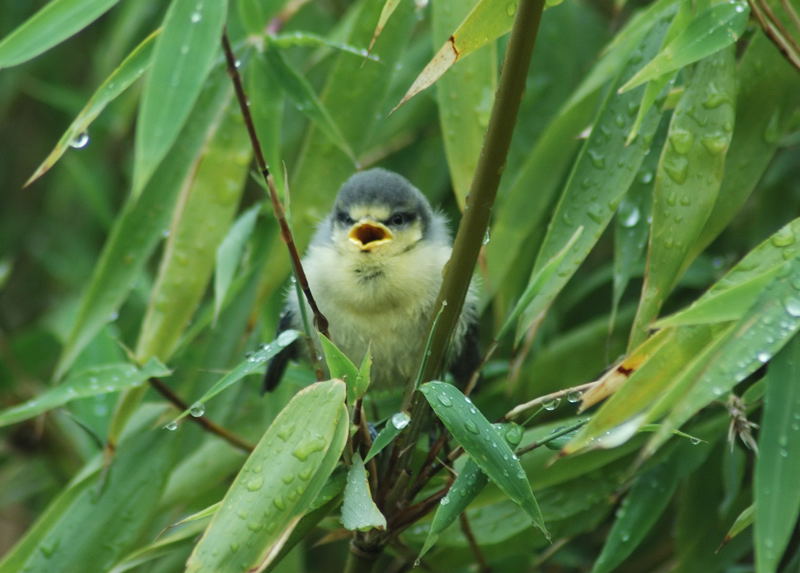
(597, 158)
(511, 8)
(486, 238)
(695, 441)
(646, 177)
(80, 141)
(783, 238)
(172, 426)
(792, 306)
(400, 420)
(285, 338)
(551, 404)
(255, 483)
(574, 397)
(681, 141)
(444, 501)
(196, 17)
(677, 168)
(763, 357)
(445, 401)
(715, 144)
(595, 213)
(471, 427)
(628, 214)
(197, 409)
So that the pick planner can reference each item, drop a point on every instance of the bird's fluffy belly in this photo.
(384, 302)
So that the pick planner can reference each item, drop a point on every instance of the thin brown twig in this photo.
(792, 13)
(286, 234)
(520, 408)
(780, 27)
(774, 35)
(466, 529)
(207, 424)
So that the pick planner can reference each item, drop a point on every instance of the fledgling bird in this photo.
(375, 267)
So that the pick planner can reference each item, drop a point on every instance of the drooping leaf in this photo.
(484, 444)
(777, 498)
(253, 362)
(90, 381)
(182, 59)
(359, 512)
(277, 483)
(140, 226)
(54, 23)
(688, 179)
(716, 28)
(131, 68)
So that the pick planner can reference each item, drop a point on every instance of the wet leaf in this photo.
(688, 179)
(229, 253)
(777, 498)
(716, 28)
(484, 444)
(253, 362)
(90, 381)
(394, 425)
(340, 366)
(182, 59)
(359, 512)
(277, 484)
(51, 25)
(131, 68)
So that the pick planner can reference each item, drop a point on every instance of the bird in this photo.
(374, 267)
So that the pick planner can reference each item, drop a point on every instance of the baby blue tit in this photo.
(375, 267)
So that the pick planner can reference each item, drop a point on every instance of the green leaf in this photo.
(487, 21)
(309, 40)
(302, 95)
(182, 59)
(388, 9)
(131, 68)
(469, 482)
(688, 179)
(742, 522)
(253, 362)
(91, 381)
(140, 226)
(761, 332)
(465, 98)
(600, 177)
(484, 444)
(256, 14)
(394, 425)
(359, 512)
(716, 28)
(277, 484)
(205, 207)
(765, 105)
(51, 25)
(116, 506)
(777, 497)
(340, 366)
(229, 253)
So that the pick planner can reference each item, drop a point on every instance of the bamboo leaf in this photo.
(302, 95)
(90, 381)
(277, 484)
(131, 68)
(465, 97)
(359, 512)
(141, 225)
(253, 362)
(484, 444)
(389, 6)
(309, 40)
(601, 175)
(394, 425)
(205, 207)
(761, 332)
(229, 253)
(777, 498)
(716, 28)
(182, 58)
(688, 179)
(54, 23)
(340, 366)
(742, 522)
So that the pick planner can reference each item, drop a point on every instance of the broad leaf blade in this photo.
(54, 23)
(359, 512)
(277, 483)
(777, 497)
(484, 444)
(182, 59)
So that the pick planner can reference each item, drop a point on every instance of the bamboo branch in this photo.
(286, 234)
(207, 424)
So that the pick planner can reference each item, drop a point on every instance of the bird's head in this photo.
(378, 212)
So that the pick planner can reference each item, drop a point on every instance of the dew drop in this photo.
(445, 401)
(198, 409)
(715, 143)
(783, 238)
(763, 357)
(646, 177)
(285, 338)
(681, 141)
(172, 426)
(486, 238)
(596, 213)
(80, 141)
(304, 450)
(400, 420)
(628, 214)
(574, 397)
(254, 484)
(471, 427)
(551, 404)
(511, 8)
(677, 168)
(195, 17)
(444, 501)
(598, 160)
(792, 306)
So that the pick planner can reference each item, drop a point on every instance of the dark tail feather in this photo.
(277, 366)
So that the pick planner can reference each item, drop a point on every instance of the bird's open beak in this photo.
(368, 235)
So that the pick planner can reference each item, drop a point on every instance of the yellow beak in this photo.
(368, 235)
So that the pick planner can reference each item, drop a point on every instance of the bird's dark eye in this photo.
(401, 218)
(344, 218)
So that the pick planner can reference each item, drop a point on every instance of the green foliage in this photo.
(649, 199)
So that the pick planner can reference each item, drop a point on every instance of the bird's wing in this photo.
(468, 358)
(277, 366)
